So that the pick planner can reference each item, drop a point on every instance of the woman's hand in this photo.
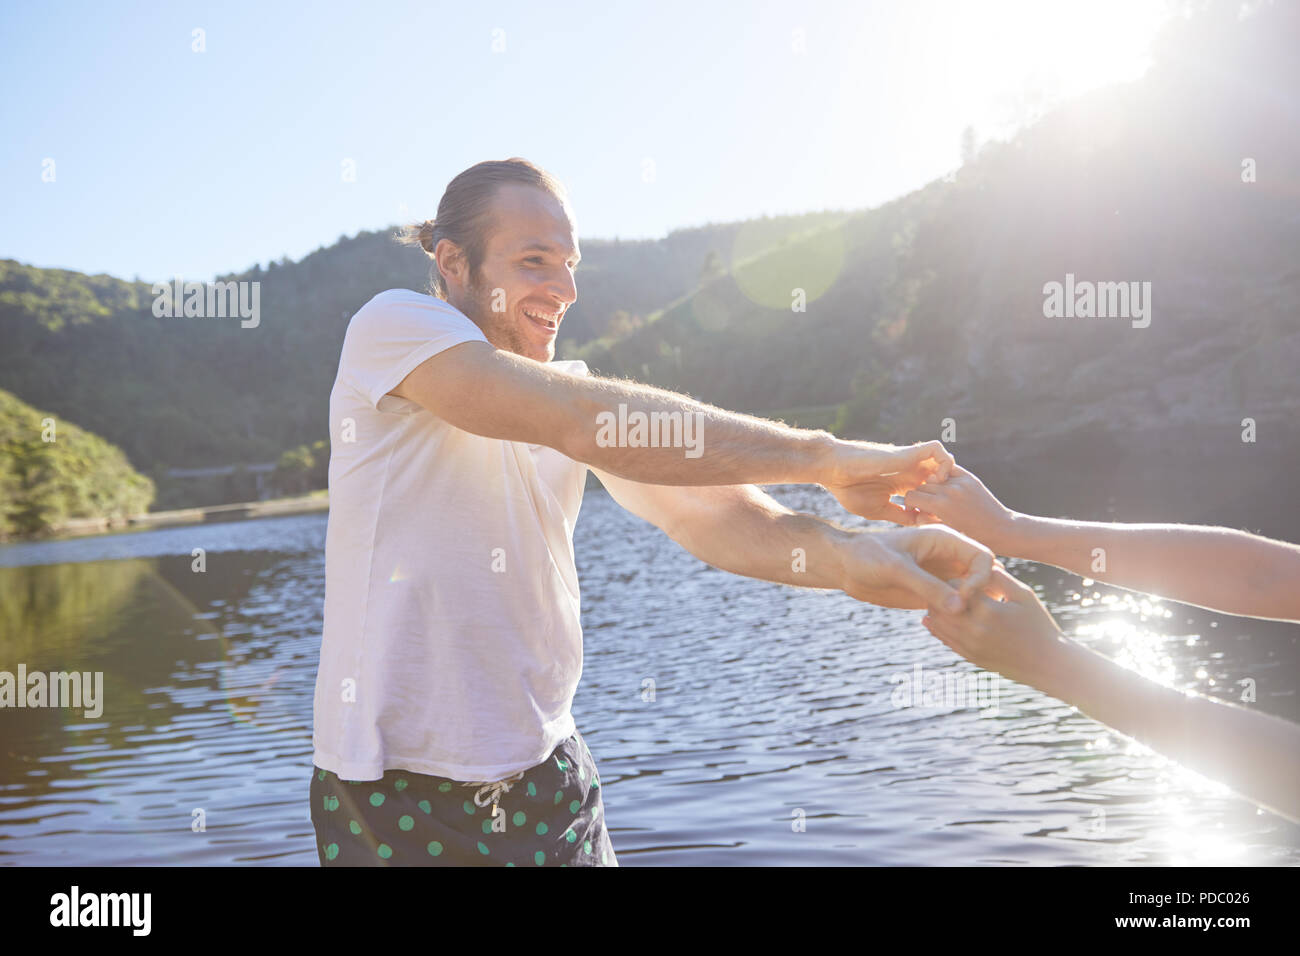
(1010, 632)
(962, 502)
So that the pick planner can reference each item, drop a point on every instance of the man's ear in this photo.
(451, 261)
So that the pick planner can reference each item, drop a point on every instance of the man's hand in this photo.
(962, 502)
(1009, 632)
(865, 475)
(912, 568)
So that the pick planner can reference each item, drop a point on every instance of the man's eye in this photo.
(537, 259)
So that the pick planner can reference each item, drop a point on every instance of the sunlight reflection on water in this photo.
(772, 704)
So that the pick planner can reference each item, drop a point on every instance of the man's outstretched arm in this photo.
(498, 394)
(740, 529)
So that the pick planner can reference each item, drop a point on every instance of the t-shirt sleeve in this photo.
(392, 334)
(571, 366)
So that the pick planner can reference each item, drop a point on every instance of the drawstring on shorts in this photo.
(495, 788)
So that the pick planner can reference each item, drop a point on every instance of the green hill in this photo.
(51, 470)
(927, 308)
(937, 310)
(193, 392)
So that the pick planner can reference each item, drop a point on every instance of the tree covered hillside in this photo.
(51, 470)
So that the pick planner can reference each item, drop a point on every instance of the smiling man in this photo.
(452, 641)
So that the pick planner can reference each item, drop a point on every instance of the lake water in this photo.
(771, 706)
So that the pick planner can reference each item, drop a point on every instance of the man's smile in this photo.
(548, 321)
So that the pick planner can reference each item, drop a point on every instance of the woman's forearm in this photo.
(1255, 754)
(1217, 568)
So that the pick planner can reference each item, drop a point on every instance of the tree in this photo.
(712, 267)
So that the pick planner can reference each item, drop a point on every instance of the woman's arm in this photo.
(1216, 568)
(1255, 754)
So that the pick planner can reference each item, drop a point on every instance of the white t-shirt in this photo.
(452, 642)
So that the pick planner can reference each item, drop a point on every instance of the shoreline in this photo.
(238, 511)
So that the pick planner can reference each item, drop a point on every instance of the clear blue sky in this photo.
(174, 162)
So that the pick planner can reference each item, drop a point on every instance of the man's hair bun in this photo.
(418, 232)
(426, 235)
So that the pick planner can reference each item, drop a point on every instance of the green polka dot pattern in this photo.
(551, 816)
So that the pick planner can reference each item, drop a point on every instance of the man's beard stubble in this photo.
(498, 327)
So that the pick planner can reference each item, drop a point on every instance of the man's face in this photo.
(525, 281)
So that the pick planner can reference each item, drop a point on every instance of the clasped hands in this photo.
(939, 559)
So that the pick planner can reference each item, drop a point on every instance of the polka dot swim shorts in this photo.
(551, 815)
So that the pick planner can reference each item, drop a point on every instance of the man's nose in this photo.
(563, 286)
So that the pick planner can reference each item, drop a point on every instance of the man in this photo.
(459, 450)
